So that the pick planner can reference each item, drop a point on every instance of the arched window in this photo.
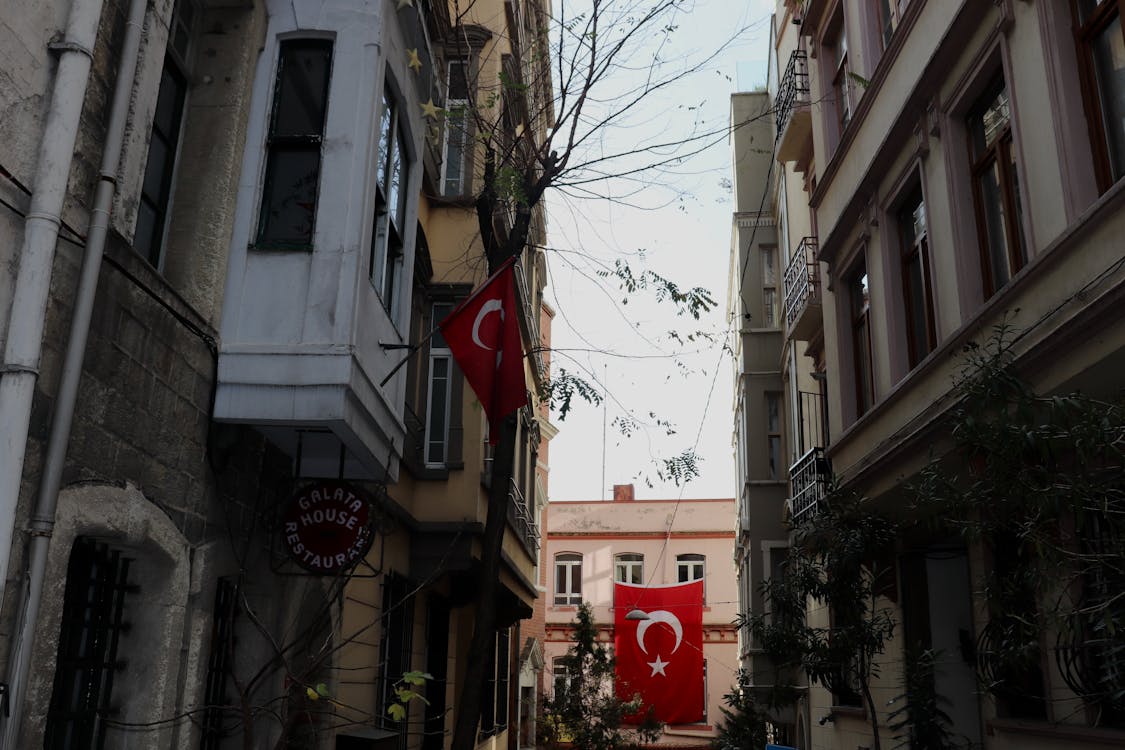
(568, 578)
(628, 567)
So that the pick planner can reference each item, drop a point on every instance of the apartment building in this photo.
(940, 168)
(593, 545)
(222, 465)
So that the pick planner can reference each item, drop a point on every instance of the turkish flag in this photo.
(483, 333)
(661, 657)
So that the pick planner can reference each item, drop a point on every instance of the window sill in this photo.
(280, 247)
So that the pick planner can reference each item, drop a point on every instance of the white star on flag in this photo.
(658, 667)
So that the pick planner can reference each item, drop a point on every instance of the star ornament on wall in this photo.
(414, 62)
(658, 667)
(430, 110)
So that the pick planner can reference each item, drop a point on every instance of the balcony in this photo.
(809, 480)
(802, 292)
(793, 111)
(520, 518)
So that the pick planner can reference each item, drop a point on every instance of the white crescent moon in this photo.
(666, 617)
(492, 305)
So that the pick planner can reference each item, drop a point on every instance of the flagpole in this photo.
(415, 347)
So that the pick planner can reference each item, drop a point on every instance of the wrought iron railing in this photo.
(809, 480)
(794, 89)
(519, 515)
(802, 280)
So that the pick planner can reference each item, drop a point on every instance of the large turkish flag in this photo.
(483, 333)
(661, 657)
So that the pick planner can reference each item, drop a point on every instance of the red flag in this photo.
(483, 333)
(661, 657)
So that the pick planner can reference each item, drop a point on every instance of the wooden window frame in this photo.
(859, 317)
(1085, 33)
(1000, 152)
(916, 249)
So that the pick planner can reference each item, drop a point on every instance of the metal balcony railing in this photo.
(802, 280)
(794, 89)
(519, 516)
(809, 480)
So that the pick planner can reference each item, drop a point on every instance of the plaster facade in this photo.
(660, 531)
(876, 105)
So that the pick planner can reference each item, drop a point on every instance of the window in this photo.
(439, 395)
(568, 578)
(1101, 54)
(996, 192)
(921, 336)
(494, 701)
(859, 298)
(689, 567)
(93, 620)
(215, 696)
(391, 170)
(453, 161)
(769, 285)
(156, 188)
(300, 103)
(629, 568)
(773, 435)
(837, 41)
(395, 646)
(890, 16)
(561, 671)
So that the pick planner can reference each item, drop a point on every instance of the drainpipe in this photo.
(43, 518)
(19, 367)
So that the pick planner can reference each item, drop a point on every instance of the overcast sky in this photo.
(682, 224)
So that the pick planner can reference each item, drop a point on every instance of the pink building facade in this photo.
(654, 542)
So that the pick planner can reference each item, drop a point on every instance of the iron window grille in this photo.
(93, 620)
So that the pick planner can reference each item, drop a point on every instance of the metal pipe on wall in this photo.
(19, 368)
(43, 517)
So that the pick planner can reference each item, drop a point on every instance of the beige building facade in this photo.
(590, 545)
(941, 168)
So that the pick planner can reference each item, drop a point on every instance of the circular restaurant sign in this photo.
(327, 526)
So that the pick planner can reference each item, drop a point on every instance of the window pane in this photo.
(396, 196)
(1109, 67)
(454, 148)
(769, 302)
(439, 403)
(302, 89)
(145, 241)
(774, 467)
(863, 365)
(289, 200)
(992, 206)
(990, 121)
(773, 413)
(859, 293)
(916, 308)
(158, 166)
(386, 123)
